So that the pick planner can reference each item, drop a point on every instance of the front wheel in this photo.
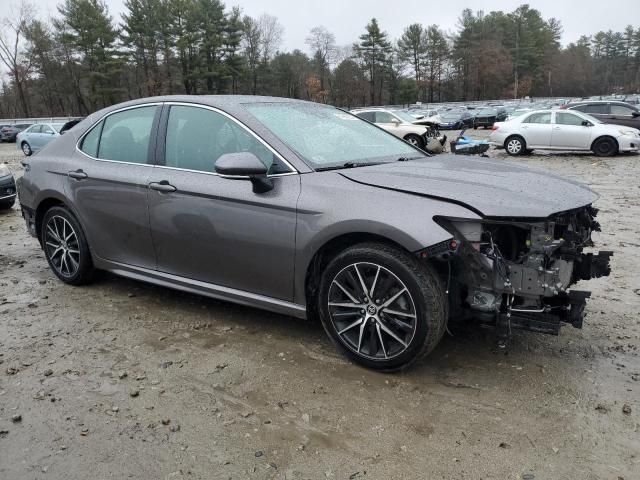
(605, 147)
(515, 145)
(65, 246)
(26, 149)
(415, 140)
(381, 306)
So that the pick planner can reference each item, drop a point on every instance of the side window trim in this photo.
(100, 124)
(160, 151)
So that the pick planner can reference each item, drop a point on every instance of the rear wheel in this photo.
(381, 306)
(515, 145)
(65, 246)
(26, 149)
(605, 147)
(415, 140)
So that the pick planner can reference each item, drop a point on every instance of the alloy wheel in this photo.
(372, 311)
(62, 246)
(413, 141)
(26, 149)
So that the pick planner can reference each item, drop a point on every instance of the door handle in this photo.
(163, 186)
(78, 174)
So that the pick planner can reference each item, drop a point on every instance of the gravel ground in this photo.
(120, 379)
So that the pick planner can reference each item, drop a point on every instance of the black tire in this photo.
(7, 204)
(605, 147)
(26, 149)
(424, 297)
(83, 273)
(415, 140)
(515, 145)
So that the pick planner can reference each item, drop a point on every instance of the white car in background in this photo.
(396, 122)
(563, 130)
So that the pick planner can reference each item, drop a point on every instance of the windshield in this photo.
(57, 126)
(326, 137)
(404, 116)
(488, 111)
(450, 116)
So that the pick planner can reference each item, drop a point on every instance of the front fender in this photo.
(331, 206)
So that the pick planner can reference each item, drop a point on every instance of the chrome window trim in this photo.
(124, 109)
(293, 170)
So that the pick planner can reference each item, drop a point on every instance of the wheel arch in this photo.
(329, 249)
(49, 199)
(602, 137)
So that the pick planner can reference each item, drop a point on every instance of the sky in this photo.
(346, 19)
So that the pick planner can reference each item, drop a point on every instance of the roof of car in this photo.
(583, 102)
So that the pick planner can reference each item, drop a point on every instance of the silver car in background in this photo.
(306, 210)
(37, 137)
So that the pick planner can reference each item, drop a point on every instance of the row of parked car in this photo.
(603, 126)
(32, 137)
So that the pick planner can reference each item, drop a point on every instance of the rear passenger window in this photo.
(122, 136)
(369, 116)
(91, 140)
(544, 118)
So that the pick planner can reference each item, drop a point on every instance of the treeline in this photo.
(83, 59)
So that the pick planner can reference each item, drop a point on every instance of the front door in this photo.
(569, 132)
(108, 185)
(215, 229)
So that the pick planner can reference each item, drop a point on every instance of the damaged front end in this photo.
(517, 273)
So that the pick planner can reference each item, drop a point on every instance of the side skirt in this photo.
(202, 288)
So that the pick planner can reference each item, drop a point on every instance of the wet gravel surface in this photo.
(120, 379)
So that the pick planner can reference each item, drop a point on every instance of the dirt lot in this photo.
(126, 380)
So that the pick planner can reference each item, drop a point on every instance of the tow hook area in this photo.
(547, 320)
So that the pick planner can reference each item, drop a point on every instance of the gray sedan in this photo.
(309, 211)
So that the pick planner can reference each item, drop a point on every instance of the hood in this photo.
(492, 189)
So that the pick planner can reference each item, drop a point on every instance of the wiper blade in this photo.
(347, 165)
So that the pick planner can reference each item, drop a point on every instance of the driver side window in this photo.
(197, 137)
(384, 117)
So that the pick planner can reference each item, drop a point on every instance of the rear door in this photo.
(215, 229)
(536, 130)
(568, 132)
(107, 183)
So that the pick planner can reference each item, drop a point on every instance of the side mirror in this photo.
(395, 122)
(635, 114)
(587, 123)
(245, 165)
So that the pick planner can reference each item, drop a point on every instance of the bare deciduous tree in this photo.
(271, 34)
(12, 54)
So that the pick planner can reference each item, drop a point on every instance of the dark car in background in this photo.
(9, 133)
(7, 188)
(456, 120)
(486, 117)
(609, 111)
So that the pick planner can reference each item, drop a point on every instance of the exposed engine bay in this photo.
(517, 273)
